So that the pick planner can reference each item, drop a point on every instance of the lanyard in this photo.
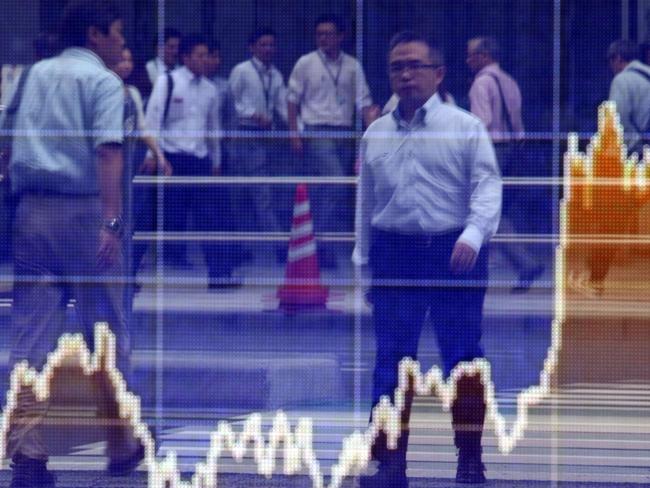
(266, 86)
(335, 79)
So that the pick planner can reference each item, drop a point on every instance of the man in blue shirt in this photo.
(67, 176)
(429, 199)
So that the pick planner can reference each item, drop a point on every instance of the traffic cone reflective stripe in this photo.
(302, 286)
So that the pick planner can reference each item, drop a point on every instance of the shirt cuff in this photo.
(473, 237)
(357, 258)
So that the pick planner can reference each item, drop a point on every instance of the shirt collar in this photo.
(327, 59)
(187, 74)
(490, 68)
(421, 114)
(84, 53)
(636, 64)
(260, 65)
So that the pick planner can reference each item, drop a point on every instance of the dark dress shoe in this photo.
(386, 477)
(471, 469)
(30, 473)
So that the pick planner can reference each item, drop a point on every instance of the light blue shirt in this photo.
(71, 104)
(434, 175)
(257, 89)
(631, 92)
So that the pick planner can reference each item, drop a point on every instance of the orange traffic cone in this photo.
(302, 286)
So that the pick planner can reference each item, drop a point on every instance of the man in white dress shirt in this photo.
(185, 116)
(428, 201)
(260, 99)
(325, 88)
(167, 59)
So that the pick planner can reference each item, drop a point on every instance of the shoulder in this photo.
(305, 59)
(380, 126)
(239, 67)
(457, 116)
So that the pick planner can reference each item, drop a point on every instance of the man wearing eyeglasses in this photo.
(428, 200)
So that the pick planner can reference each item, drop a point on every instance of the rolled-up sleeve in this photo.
(364, 208)
(108, 111)
(485, 188)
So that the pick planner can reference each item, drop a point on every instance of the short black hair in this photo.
(80, 15)
(261, 32)
(487, 45)
(626, 49)
(171, 33)
(190, 41)
(435, 53)
(330, 19)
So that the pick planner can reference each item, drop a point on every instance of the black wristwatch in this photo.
(114, 225)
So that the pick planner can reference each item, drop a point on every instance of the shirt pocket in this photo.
(176, 109)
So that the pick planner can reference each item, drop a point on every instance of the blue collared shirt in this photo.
(71, 104)
(631, 92)
(436, 174)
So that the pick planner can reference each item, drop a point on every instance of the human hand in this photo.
(463, 258)
(150, 166)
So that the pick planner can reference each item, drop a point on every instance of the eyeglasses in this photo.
(398, 68)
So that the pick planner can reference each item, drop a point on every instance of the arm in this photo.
(281, 100)
(214, 132)
(485, 201)
(369, 112)
(620, 94)
(236, 83)
(109, 161)
(363, 216)
(155, 160)
(479, 99)
(295, 93)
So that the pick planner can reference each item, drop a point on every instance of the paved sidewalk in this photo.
(94, 479)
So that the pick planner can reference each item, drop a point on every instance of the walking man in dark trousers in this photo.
(428, 200)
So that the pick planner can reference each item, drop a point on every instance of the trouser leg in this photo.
(37, 318)
(457, 321)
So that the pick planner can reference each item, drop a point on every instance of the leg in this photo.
(458, 315)
(38, 319)
(175, 202)
(99, 295)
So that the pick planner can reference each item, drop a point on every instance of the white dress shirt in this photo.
(156, 67)
(434, 175)
(193, 110)
(327, 91)
(257, 89)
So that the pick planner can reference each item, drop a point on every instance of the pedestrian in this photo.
(68, 225)
(630, 89)
(428, 201)
(260, 98)
(184, 110)
(495, 98)
(167, 59)
(326, 86)
(139, 201)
